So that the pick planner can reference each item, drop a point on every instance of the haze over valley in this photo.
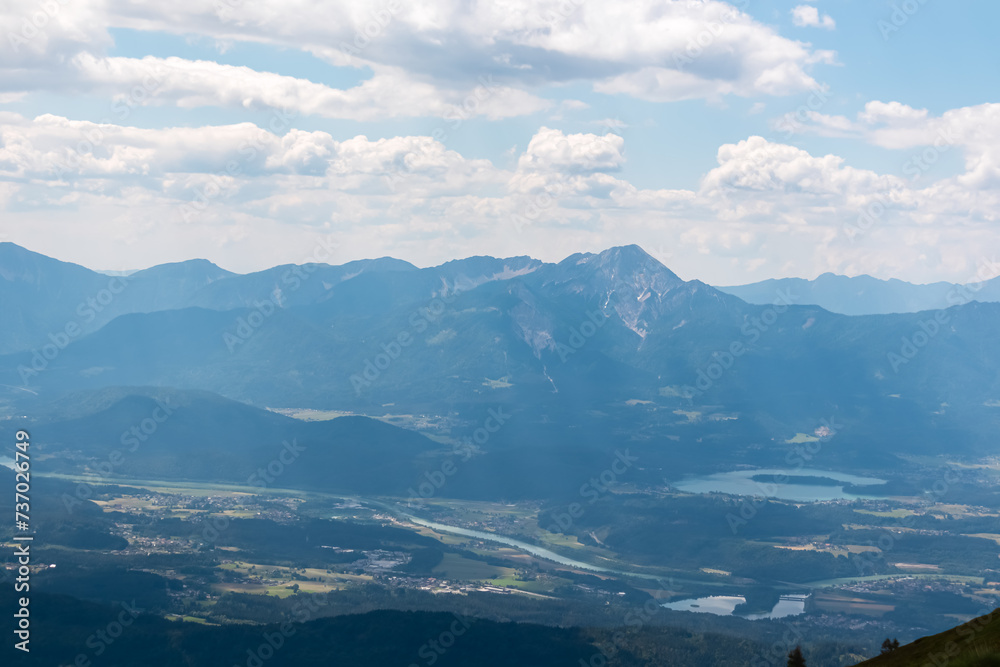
(561, 432)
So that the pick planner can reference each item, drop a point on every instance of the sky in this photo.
(733, 141)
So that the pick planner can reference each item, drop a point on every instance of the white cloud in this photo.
(427, 57)
(759, 165)
(809, 16)
(389, 93)
(975, 131)
(824, 125)
(879, 112)
(173, 161)
(238, 192)
(765, 207)
(573, 172)
(552, 150)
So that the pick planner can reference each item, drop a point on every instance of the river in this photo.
(532, 549)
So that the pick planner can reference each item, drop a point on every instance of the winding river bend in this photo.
(788, 605)
(532, 549)
(540, 552)
(395, 510)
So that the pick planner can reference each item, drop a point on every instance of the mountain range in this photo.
(586, 356)
(864, 295)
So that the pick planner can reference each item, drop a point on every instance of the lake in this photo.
(829, 485)
(724, 605)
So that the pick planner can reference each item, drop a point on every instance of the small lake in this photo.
(720, 605)
(770, 483)
(724, 605)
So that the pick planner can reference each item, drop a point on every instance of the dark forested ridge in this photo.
(65, 628)
(972, 644)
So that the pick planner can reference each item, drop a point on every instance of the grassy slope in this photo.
(973, 644)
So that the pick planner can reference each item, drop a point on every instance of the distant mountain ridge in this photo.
(591, 354)
(44, 296)
(864, 295)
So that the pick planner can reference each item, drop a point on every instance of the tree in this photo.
(889, 645)
(795, 658)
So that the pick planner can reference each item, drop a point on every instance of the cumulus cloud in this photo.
(243, 193)
(759, 165)
(176, 162)
(975, 131)
(809, 16)
(389, 93)
(426, 57)
(240, 191)
(573, 153)
(882, 112)
(575, 170)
